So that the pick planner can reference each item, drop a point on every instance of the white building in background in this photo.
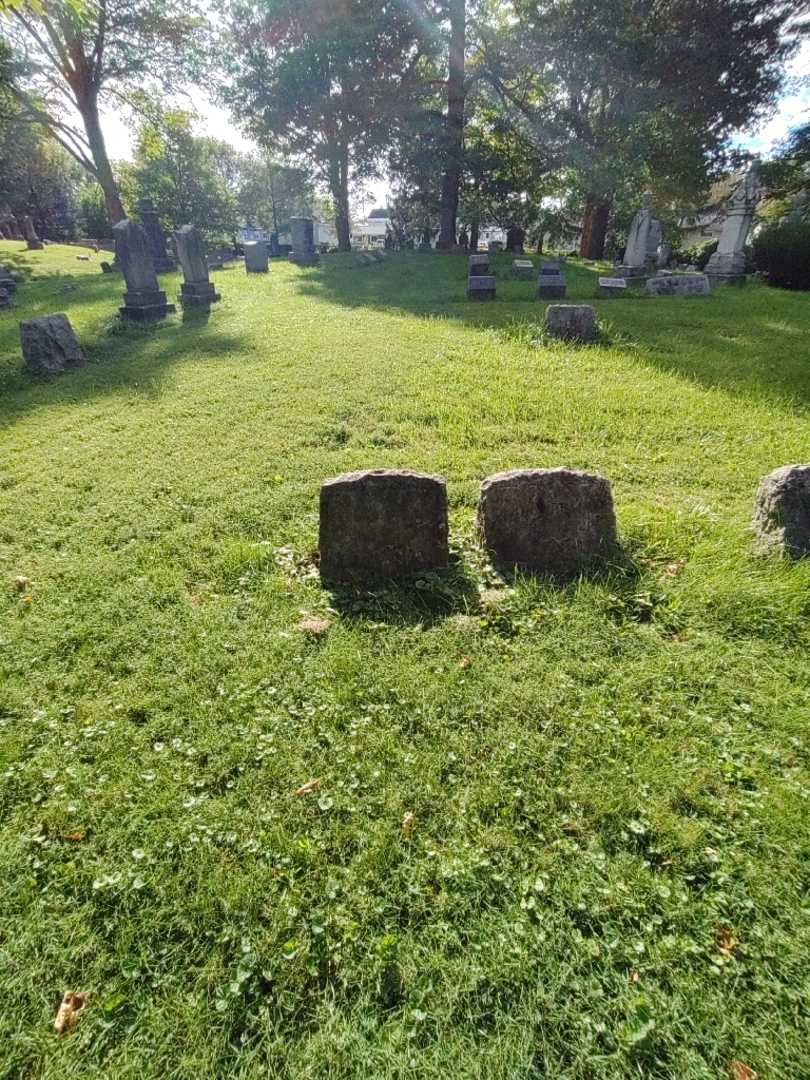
(373, 231)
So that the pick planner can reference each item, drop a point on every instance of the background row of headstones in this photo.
(387, 523)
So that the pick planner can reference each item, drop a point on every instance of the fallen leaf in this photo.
(675, 568)
(739, 1071)
(634, 976)
(310, 786)
(464, 662)
(313, 625)
(407, 825)
(72, 1007)
(76, 836)
(22, 584)
(725, 940)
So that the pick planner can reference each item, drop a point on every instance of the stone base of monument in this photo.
(198, 292)
(726, 269)
(631, 273)
(304, 258)
(481, 287)
(679, 285)
(146, 306)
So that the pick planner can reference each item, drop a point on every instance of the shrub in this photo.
(782, 253)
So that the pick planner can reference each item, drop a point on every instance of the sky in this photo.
(794, 107)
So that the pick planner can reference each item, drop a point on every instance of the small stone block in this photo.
(609, 286)
(381, 524)
(523, 269)
(551, 521)
(49, 344)
(551, 285)
(5, 297)
(481, 287)
(679, 285)
(782, 511)
(571, 322)
(478, 265)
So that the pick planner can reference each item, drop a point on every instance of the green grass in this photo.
(609, 781)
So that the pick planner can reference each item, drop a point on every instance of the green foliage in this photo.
(699, 254)
(788, 172)
(270, 193)
(37, 176)
(782, 253)
(607, 873)
(91, 212)
(184, 174)
(319, 83)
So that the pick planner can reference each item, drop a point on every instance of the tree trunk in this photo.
(475, 232)
(594, 227)
(339, 188)
(454, 126)
(88, 106)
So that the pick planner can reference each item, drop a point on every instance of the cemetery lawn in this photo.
(607, 873)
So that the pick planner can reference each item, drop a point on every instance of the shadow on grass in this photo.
(740, 339)
(423, 600)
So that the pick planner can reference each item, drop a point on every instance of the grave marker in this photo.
(382, 523)
(552, 521)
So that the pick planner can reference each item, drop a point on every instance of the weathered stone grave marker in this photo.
(571, 322)
(782, 512)
(303, 241)
(49, 344)
(523, 269)
(144, 300)
(382, 523)
(558, 522)
(641, 253)
(150, 223)
(551, 282)
(727, 264)
(256, 261)
(7, 282)
(196, 287)
(609, 286)
(679, 285)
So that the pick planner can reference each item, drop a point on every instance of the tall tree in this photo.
(454, 124)
(643, 91)
(270, 193)
(71, 57)
(319, 82)
(181, 173)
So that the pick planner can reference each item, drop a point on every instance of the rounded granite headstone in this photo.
(49, 344)
(551, 521)
(782, 511)
(382, 523)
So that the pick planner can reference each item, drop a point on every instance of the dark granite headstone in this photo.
(383, 523)
(552, 521)
(303, 241)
